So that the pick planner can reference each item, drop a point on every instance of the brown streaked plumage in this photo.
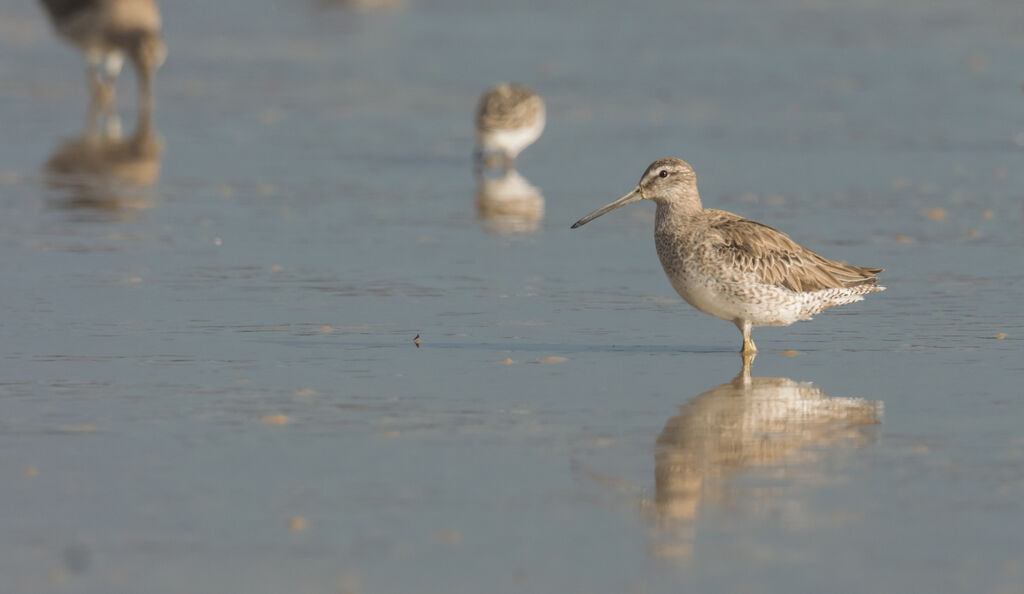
(107, 32)
(778, 260)
(509, 118)
(735, 268)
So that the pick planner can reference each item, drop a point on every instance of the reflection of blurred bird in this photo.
(104, 171)
(734, 268)
(747, 423)
(508, 204)
(509, 118)
(108, 31)
(366, 5)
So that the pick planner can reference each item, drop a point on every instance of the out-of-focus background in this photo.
(208, 381)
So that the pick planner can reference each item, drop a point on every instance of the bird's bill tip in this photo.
(633, 196)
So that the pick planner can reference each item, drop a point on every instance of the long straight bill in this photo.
(633, 196)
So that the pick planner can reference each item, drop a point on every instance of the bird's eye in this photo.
(663, 173)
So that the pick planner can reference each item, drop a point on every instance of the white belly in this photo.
(761, 305)
(512, 141)
(706, 299)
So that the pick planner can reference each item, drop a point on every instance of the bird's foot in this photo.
(748, 359)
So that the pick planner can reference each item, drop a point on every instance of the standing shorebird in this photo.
(509, 118)
(734, 268)
(108, 31)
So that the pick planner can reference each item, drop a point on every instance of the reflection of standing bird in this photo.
(734, 268)
(752, 422)
(366, 5)
(509, 118)
(745, 424)
(104, 174)
(509, 203)
(108, 31)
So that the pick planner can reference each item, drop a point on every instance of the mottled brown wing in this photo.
(64, 9)
(752, 247)
(507, 106)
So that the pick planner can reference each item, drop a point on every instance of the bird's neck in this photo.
(677, 213)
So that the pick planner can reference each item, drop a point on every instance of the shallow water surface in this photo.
(208, 379)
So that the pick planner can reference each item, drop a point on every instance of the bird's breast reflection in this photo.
(780, 426)
(508, 203)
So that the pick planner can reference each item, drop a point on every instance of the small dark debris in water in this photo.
(416, 341)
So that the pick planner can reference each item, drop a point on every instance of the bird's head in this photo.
(666, 181)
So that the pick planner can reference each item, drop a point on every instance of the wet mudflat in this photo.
(208, 380)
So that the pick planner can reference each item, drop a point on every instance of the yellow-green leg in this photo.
(748, 358)
(748, 344)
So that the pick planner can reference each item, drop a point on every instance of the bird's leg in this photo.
(98, 98)
(490, 160)
(112, 129)
(92, 119)
(145, 107)
(112, 64)
(93, 59)
(748, 358)
(748, 344)
(98, 69)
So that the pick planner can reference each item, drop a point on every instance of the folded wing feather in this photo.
(752, 247)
